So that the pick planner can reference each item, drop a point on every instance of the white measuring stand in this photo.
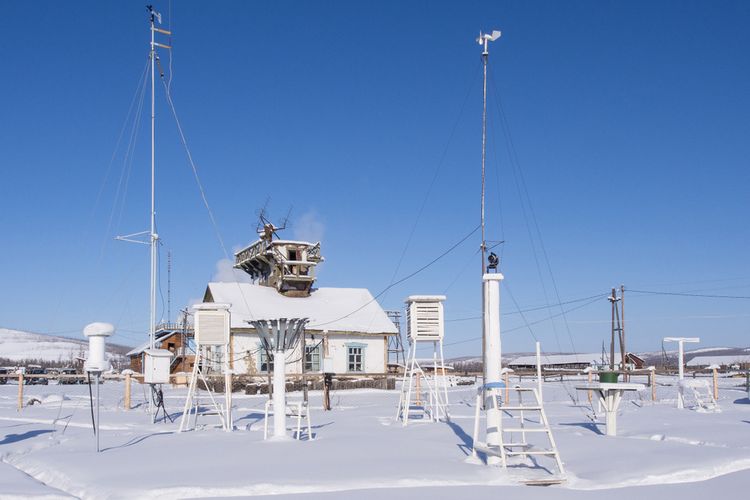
(610, 395)
(212, 326)
(282, 336)
(681, 362)
(97, 363)
(425, 326)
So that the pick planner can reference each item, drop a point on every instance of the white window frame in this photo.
(311, 353)
(351, 366)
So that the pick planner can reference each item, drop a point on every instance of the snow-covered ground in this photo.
(48, 449)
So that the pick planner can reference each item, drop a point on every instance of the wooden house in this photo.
(174, 338)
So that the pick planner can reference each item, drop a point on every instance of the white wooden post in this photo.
(539, 368)
(127, 391)
(20, 391)
(681, 361)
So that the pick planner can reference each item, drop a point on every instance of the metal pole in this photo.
(612, 336)
(485, 56)
(680, 374)
(621, 326)
(152, 236)
(539, 368)
(227, 391)
(97, 412)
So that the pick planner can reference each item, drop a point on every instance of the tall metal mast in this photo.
(153, 237)
(484, 40)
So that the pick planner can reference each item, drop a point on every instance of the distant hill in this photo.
(18, 346)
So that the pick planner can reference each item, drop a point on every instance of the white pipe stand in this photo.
(279, 394)
(681, 362)
(492, 361)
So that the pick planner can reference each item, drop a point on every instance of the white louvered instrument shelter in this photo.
(424, 317)
(211, 324)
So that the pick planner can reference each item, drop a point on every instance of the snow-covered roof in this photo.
(333, 309)
(562, 359)
(162, 335)
(726, 360)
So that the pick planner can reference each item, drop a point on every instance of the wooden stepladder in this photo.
(520, 424)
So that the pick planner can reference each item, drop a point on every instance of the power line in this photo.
(686, 294)
(538, 308)
(527, 325)
(411, 275)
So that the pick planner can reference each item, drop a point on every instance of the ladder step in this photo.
(516, 445)
(544, 481)
(521, 408)
(531, 452)
(520, 429)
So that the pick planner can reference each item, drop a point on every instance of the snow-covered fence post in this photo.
(652, 381)
(127, 391)
(20, 391)
(589, 391)
(715, 370)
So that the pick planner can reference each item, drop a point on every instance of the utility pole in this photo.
(618, 327)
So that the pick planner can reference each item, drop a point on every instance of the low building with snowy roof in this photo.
(347, 332)
(573, 361)
(739, 361)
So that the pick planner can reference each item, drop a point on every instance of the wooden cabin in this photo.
(173, 338)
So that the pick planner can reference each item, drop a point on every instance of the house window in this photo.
(263, 364)
(312, 358)
(355, 358)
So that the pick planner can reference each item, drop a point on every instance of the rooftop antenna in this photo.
(152, 236)
(484, 40)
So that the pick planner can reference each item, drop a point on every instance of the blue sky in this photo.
(628, 121)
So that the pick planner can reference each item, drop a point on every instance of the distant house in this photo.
(573, 361)
(172, 338)
(347, 333)
(741, 361)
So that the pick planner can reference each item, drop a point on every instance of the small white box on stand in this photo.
(156, 366)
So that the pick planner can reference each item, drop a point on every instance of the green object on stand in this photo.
(608, 377)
